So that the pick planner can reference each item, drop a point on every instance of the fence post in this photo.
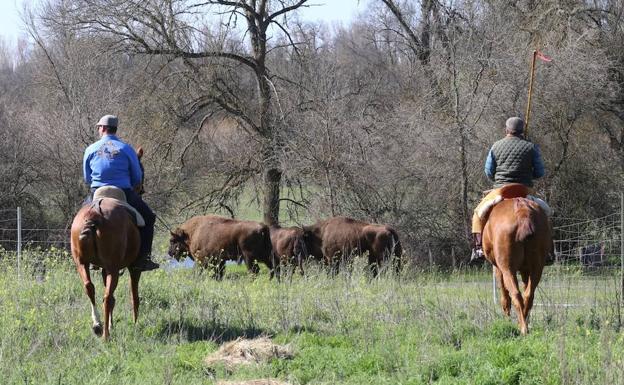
(19, 241)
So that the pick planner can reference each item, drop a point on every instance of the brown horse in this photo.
(517, 238)
(104, 234)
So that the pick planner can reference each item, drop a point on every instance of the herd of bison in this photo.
(211, 240)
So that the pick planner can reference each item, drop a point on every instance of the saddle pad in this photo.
(140, 222)
(118, 196)
(542, 203)
(485, 210)
(109, 192)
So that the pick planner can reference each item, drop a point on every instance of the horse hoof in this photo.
(97, 329)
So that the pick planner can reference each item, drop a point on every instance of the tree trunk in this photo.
(270, 208)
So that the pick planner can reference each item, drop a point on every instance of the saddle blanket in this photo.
(118, 196)
(485, 209)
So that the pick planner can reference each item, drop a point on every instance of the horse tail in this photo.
(525, 215)
(88, 234)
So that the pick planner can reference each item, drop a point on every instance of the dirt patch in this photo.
(254, 382)
(244, 352)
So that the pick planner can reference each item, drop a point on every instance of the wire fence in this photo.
(590, 243)
(589, 252)
(587, 242)
(13, 235)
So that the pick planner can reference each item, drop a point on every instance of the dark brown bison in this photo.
(289, 248)
(338, 239)
(210, 240)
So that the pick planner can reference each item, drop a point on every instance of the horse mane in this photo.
(525, 213)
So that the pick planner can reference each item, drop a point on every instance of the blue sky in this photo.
(327, 10)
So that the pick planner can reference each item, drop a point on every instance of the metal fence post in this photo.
(19, 241)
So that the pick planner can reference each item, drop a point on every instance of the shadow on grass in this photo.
(191, 331)
(297, 329)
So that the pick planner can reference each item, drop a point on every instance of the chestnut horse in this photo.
(104, 234)
(517, 238)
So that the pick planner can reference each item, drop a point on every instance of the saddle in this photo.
(510, 191)
(119, 197)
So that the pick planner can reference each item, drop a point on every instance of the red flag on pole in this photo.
(543, 57)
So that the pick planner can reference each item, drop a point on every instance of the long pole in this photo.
(622, 244)
(494, 284)
(527, 115)
(19, 241)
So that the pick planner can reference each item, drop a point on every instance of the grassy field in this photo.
(426, 327)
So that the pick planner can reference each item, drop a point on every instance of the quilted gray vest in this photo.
(514, 161)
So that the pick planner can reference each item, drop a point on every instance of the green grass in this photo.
(440, 328)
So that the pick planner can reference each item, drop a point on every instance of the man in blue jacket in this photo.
(111, 162)
(512, 159)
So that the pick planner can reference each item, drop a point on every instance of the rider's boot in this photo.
(144, 263)
(477, 248)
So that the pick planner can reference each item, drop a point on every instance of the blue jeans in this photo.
(147, 231)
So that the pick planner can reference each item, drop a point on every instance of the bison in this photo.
(210, 240)
(337, 239)
(288, 246)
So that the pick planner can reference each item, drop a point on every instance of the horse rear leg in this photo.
(109, 302)
(511, 283)
(104, 274)
(530, 283)
(135, 276)
(505, 300)
(83, 271)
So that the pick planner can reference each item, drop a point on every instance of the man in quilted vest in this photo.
(512, 159)
(112, 162)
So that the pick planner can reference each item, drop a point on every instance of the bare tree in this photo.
(180, 30)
